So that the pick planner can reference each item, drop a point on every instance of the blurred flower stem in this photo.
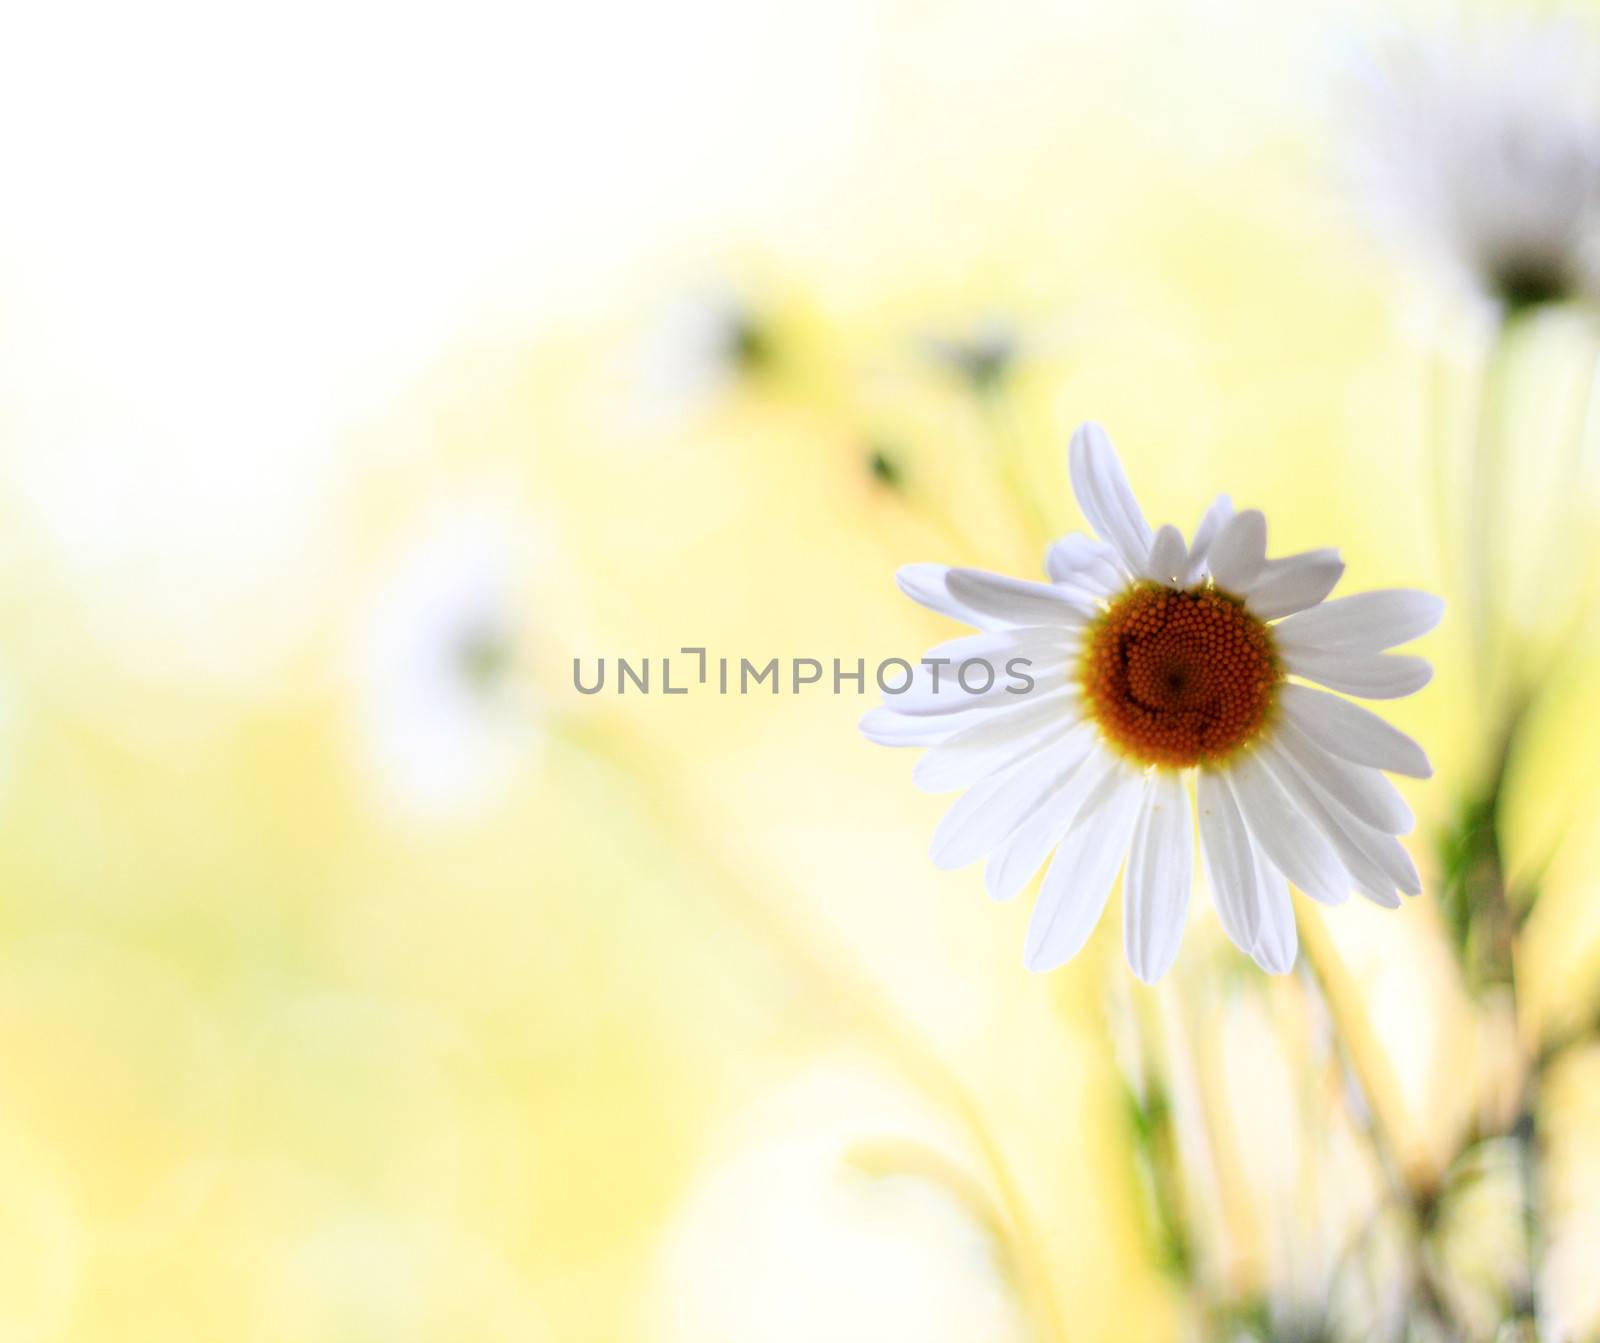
(1362, 1099)
(994, 397)
(657, 788)
(1148, 1110)
(1485, 912)
(983, 361)
(1476, 899)
(1155, 1159)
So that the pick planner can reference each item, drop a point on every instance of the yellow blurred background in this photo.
(364, 365)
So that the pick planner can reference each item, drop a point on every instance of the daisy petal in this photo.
(1239, 551)
(1004, 642)
(888, 728)
(1375, 861)
(1017, 859)
(1205, 536)
(1289, 838)
(1168, 560)
(989, 811)
(993, 744)
(1156, 894)
(1294, 582)
(1388, 867)
(978, 669)
(1015, 601)
(950, 700)
(1075, 889)
(1369, 675)
(1368, 622)
(1391, 856)
(1043, 646)
(1229, 860)
(960, 676)
(1351, 732)
(1105, 496)
(1359, 789)
(1084, 563)
(924, 584)
(1278, 941)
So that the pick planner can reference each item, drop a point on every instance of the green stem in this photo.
(1477, 904)
(1148, 1108)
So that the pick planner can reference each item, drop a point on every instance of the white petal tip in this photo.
(1239, 551)
(1169, 558)
(1042, 958)
(1277, 954)
(1089, 440)
(913, 579)
(883, 727)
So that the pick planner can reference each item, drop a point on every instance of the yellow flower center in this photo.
(1176, 679)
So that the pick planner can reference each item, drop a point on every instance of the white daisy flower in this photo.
(1482, 146)
(439, 662)
(1155, 662)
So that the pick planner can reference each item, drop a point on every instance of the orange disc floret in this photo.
(1179, 678)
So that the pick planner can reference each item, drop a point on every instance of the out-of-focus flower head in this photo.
(700, 346)
(1480, 147)
(982, 356)
(441, 712)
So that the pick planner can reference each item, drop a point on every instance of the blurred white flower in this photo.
(1481, 147)
(1147, 659)
(445, 715)
(699, 348)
